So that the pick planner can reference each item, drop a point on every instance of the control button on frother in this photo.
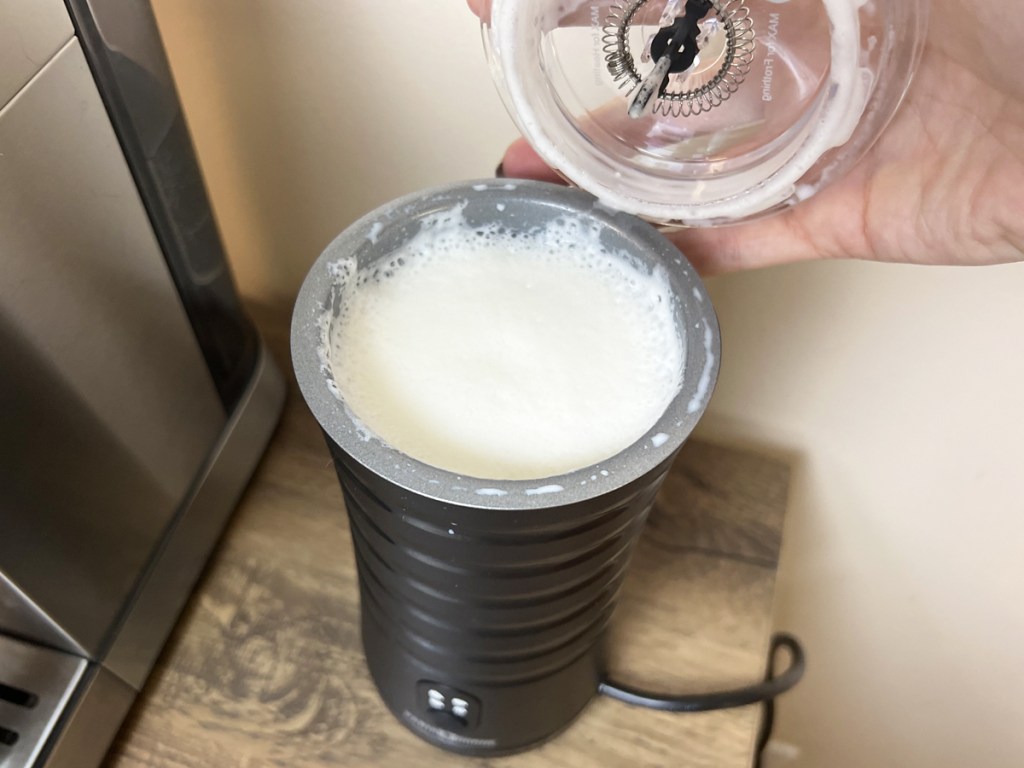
(449, 707)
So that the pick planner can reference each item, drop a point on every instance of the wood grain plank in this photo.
(266, 666)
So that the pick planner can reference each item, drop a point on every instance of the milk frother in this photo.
(484, 602)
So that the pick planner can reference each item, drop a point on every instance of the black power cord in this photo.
(763, 693)
(768, 715)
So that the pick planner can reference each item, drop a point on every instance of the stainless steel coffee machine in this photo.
(135, 397)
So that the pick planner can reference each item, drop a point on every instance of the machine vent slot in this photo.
(17, 696)
(37, 686)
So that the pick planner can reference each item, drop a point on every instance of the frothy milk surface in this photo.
(503, 357)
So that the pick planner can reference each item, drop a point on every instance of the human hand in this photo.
(943, 185)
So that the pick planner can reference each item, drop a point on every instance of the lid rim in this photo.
(629, 187)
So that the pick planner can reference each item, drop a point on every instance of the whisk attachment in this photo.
(679, 40)
(701, 56)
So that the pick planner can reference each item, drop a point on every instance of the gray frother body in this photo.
(484, 602)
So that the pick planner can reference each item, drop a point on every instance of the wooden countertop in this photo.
(266, 666)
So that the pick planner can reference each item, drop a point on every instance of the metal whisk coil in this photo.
(669, 92)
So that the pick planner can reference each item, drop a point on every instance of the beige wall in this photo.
(902, 388)
(306, 116)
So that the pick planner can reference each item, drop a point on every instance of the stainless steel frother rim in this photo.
(368, 240)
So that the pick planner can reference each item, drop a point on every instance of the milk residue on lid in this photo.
(504, 355)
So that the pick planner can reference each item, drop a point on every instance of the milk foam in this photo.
(505, 357)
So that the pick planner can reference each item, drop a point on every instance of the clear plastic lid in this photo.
(703, 112)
